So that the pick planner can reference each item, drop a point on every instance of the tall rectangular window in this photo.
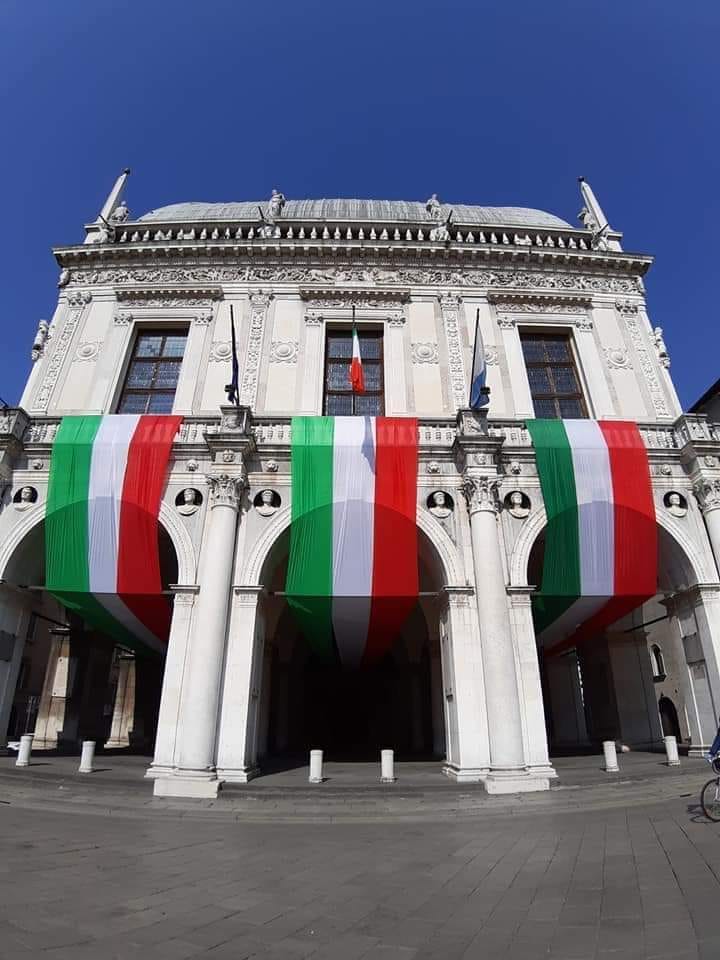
(338, 398)
(153, 373)
(553, 376)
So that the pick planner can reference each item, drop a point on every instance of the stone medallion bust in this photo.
(440, 504)
(267, 502)
(518, 505)
(188, 501)
(25, 498)
(675, 503)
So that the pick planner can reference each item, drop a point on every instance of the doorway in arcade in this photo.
(642, 678)
(351, 714)
(73, 682)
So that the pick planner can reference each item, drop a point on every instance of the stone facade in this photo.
(289, 281)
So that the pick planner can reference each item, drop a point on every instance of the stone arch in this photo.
(445, 549)
(179, 538)
(537, 521)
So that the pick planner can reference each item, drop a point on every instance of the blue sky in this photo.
(481, 102)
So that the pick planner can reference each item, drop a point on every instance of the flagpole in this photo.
(472, 368)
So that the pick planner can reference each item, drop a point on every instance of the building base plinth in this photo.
(190, 787)
(238, 775)
(516, 781)
(465, 774)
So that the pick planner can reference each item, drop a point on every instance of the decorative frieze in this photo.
(62, 345)
(629, 311)
(416, 276)
(450, 307)
(259, 303)
(153, 296)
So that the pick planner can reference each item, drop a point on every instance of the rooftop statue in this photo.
(277, 202)
(434, 208)
(120, 214)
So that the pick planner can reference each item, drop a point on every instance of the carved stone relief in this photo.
(62, 345)
(629, 312)
(259, 303)
(617, 358)
(424, 352)
(450, 306)
(284, 351)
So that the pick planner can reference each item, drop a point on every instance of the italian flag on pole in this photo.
(353, 570)
(102, 560)
(601, 538)
(357, 379)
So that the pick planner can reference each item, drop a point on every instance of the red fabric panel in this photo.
(395, 548)
(357, 377)
(635, 530)
(139, 582)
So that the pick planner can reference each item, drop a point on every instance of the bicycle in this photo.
(710, 794)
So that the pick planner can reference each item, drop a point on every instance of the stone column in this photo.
(124, 706)
(438, 720)
(396, 386)
(532, 711)
(507, 758)
(239, 728)
(89, 675)
(708, 495)
(196, 775)
(51, 711)
(468, 749)
(167, 739)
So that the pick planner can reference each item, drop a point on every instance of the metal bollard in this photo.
(316, 760)
(673, 759)
(387, 766)
(87, 757)
(611, 764)
(23, 757)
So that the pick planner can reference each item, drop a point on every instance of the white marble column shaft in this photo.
(501, 687)
(201, 687)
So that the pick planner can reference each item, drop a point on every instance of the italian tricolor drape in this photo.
(353, 570)
(107, 475)
(601, 540)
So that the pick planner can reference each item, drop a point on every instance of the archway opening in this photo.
(632, 682)
(310, 703)
(72, 681)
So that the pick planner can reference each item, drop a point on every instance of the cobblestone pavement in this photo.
(635, 878)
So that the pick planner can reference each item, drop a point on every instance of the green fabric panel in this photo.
(309, 577)
(561, 567)
(66, 519)
(97, 617)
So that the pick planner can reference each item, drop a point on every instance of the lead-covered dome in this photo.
(359, 210)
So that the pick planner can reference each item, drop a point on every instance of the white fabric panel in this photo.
(107, 476)
(118, 611)
(596, 514)
(353, 532)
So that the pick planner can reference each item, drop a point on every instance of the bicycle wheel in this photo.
(710, 800)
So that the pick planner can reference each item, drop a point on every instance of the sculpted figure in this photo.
(39, 341)
(440, 234)
(440, 505)
(662, 350)
(518, 506)
(266, 507)
(120, 213)
(675, 505)
(189, 502)
(434, 207)
(28, 496)
(277, 202)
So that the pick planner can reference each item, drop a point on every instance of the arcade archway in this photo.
(640, 679)
(72, 682)
(308, 703)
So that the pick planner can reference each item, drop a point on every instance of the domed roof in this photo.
(362, 210)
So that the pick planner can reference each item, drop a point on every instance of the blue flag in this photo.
(479, 394)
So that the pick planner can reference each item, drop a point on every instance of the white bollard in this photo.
(88, 755)
(673, 759)
(611, 764)
(387, 766)
(23, 757)
(316, 759)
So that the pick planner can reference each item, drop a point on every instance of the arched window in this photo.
(658, 663)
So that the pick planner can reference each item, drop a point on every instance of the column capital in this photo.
(707, 493)
(226, 489)
(481, 493)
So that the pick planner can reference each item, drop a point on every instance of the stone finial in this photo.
(434, 208)
(40, 340)
(660, 347)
